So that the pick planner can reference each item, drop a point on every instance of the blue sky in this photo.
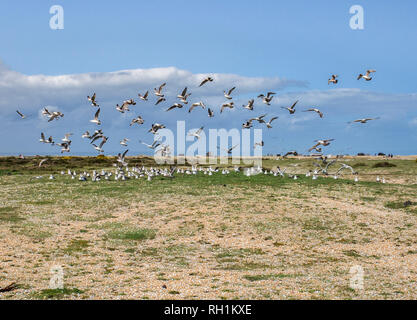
(302, 41)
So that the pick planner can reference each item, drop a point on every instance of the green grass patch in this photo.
(134, 234)
(56, 294)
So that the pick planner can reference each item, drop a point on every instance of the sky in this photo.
(118, 49)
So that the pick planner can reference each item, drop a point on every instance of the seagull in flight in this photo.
(86, 135)
(155, 127)
(161, 99)
(92, 99)
(66, 137)
(324, 142)
(197, 133)
(158, 92)
(210, 113)
(137, 120)
(42, 162)
(99, 148)
(367, 76)
(292, 108)
(229, 105)
(249, 106)
(121, 158)
(65, 146)
(315, 110)
(247, 124)
(365, 120)
(229, 151)
(268, 98)
(175, 105)
(333, 79)
(153, 146)
(268, 124)
(144, 97)
(184, 95)
(259, 119)
(21, 114)
(206, 80)
(261, 144)
(197, 104)
(54, 115)
(124, 142)
(96, 120)
(228, 93)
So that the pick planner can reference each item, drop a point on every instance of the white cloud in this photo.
(68, 91)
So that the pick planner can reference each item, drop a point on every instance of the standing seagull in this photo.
(367, 76)
(315, 110)
(96, 120)
(228, 93)
(158, 92)
(268, 98)
(292, 108)
(206, 80)
(21, 114)
(333, 79)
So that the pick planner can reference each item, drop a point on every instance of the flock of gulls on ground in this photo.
(123, 172)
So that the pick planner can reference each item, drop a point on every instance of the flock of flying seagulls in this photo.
(98, 138)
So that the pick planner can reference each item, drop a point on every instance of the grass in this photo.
(56, 294)
(399, 204)
(10, 214)
(76, 246)
(214, 236)
(262, 277)
(133, 234)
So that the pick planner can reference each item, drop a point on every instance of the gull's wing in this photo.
(97, 114)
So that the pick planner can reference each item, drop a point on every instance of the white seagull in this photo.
(367, 76)
(197, 133)
(96, 120)
(228, 93)
(268, 98)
